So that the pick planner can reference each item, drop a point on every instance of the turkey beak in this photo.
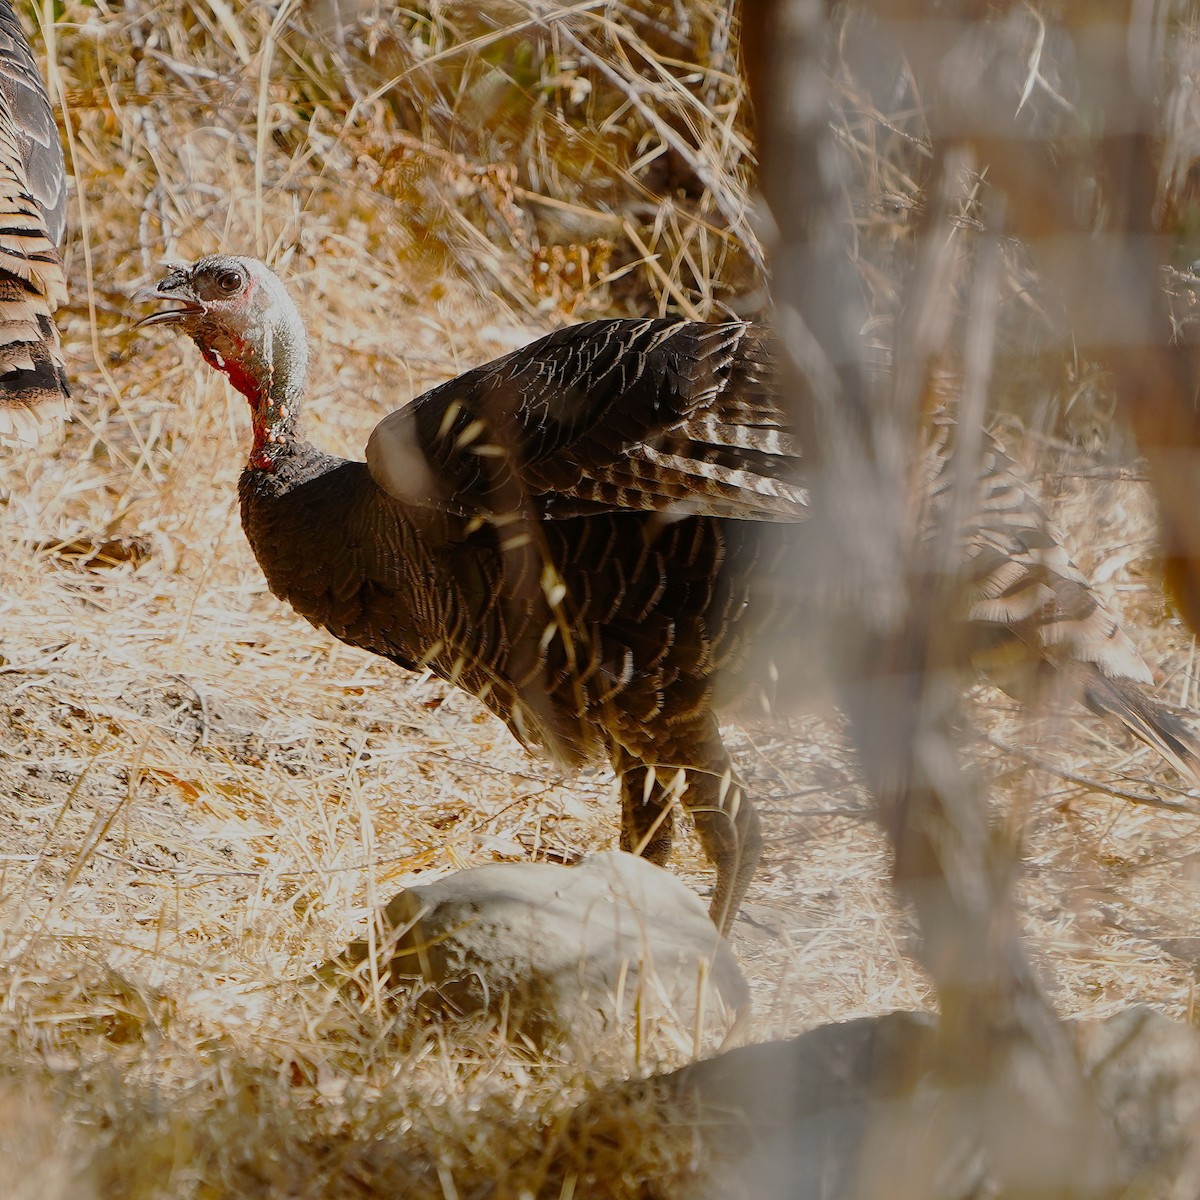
(175, 288)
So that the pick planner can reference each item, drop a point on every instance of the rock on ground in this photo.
(562, 949)
(845, 1112)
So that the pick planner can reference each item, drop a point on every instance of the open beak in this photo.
(174, 289)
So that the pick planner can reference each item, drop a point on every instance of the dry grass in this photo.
(200, 795)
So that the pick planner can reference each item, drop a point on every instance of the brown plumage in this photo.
(592, 535)
(1029, 606)
(33, 382)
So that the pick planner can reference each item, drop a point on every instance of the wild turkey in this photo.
(33, 381)
(590, 534)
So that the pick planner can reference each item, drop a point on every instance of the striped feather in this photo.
(33, 382)
(1024, 592)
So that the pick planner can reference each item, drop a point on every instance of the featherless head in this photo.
(245, 324)
(236, 310)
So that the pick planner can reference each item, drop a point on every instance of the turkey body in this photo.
(602, 536)
(602, 617)
(33, 382)
(659, 617)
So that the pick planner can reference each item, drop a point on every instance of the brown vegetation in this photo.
(201, 796)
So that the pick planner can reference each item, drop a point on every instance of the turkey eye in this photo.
(229, 281)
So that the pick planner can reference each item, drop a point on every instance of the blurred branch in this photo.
(855, 468)
(1090, 784)
(1078, 161)
(898, 666)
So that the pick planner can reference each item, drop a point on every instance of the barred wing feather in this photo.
(656, 415)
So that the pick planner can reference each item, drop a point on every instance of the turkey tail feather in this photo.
(1125, 701)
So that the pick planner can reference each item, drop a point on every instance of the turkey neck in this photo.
(271, 374)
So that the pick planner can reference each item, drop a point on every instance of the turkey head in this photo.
(245, 324)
